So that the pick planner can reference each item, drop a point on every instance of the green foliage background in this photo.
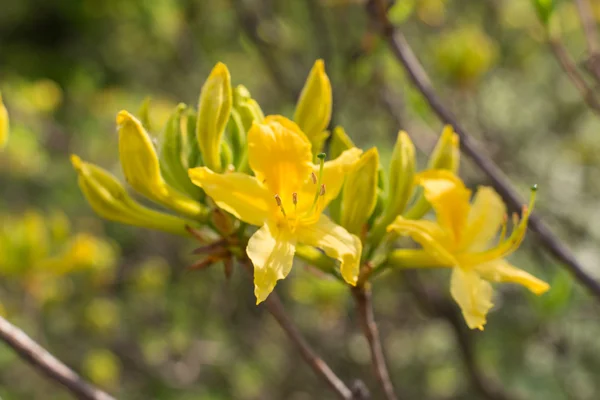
(143, 327)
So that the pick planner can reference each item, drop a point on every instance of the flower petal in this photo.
(473, 295)
(337, 243)
(279, 154)
(485, 219)
(449, 198)
(239, 194)
(429, 235)
(413, 258)
(502, 271)
(272, 253)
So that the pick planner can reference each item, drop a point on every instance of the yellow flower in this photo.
(463, 238)
(285, 199)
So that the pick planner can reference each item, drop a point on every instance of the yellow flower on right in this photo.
(464, 238)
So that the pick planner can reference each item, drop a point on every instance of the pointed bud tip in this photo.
(76, 161)
(123, 116)
(320, 65)
(220, 69)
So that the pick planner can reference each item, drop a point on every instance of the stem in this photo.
(364, 309)
(320, 367)
(586, 15)
(46, 363)
(403, 52)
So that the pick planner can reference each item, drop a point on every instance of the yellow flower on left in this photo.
(463, 238)
(285, 199)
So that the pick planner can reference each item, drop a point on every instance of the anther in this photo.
(322, 191)
(313, 176)
(295, 198)
(515, 219)
(278, 200)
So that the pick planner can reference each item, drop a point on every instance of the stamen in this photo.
(313, 177)
(322, 191)
(280, 205)
(503, 231)
(515, 219)
(295, 198)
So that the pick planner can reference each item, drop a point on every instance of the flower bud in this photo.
(109, 199)
(313, 110)
(173, 163)
(214, 109)
(4, 128)
(142, 169)
(340, 142)
(402, 174)
(445, 155)
(360, 192)
(245, 111)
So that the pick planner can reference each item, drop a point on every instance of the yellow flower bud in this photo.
(3, 124)
(214, 109)
(402, 174)
(142, 169)
(313, 111)
(446, 153)
(360, 192)
(109, 199)
(340, 142)
(245, 111)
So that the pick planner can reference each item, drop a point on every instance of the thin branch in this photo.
(403, 52)
(569, 67)
(437, 305)
(364, 310)
(586, 15)
(320, 367)
(46, 363)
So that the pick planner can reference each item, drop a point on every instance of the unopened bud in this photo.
(313, 110)
(214, 109)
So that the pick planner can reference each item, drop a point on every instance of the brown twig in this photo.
(364, 310)
(403, 52)
(571, 70)
(586, 15)
(439, 306)
(318, 365)
(46, 363)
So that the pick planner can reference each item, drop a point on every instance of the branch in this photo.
(46, 363)
(364, 308)
(586, 15)
(437, 305)
(401, 49)
(569, 67)
(274, 306)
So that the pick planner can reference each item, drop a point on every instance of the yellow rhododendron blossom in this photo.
(285, 199)
(463, 238)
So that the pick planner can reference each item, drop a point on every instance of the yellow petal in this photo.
(239, 194)
(473, 295)
(279, 154)
(272, 253)
(337, 243)
(502, 271)
(449, 198)
(429, 235)
(313, 110)
(484, 220)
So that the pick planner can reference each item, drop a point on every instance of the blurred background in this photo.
(117, 303)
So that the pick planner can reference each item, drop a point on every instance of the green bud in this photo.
(4, 126)
(313, 110)
(544, 10)
(245, 111)
(360, 192)
(144, 114)
(173, 163)
(340, 142)
(214, 109)
(402, 174)
(141, 168)
(109, 199)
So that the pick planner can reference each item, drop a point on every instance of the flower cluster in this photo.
(224, 168)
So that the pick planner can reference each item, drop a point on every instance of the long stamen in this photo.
(321, 157)
(280, 204)
(503, 231)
